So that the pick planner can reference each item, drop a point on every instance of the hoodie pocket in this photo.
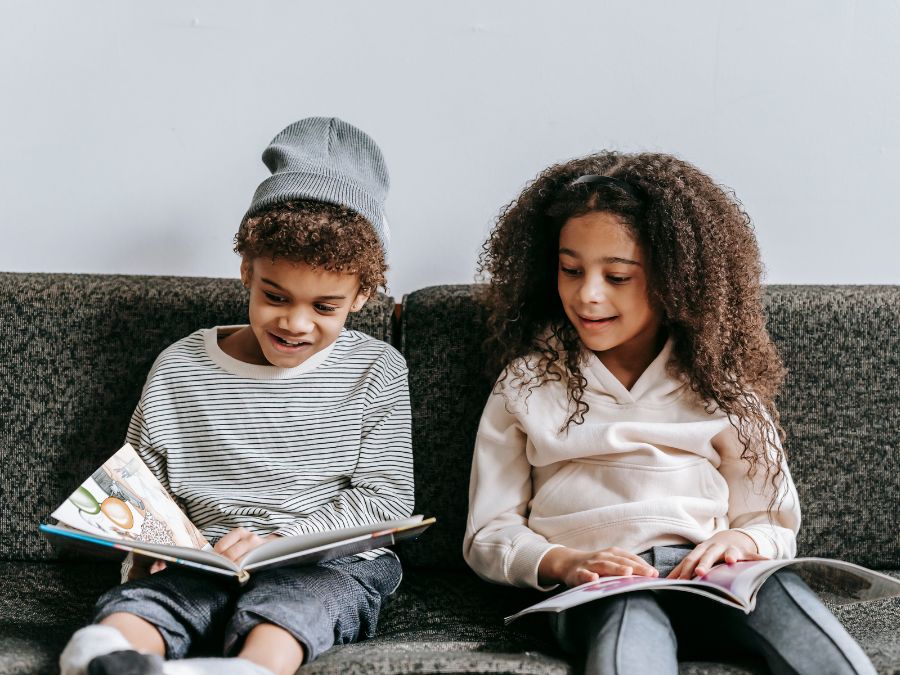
(586, 485)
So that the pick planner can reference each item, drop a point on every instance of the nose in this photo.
(593, 289)
(296, 322)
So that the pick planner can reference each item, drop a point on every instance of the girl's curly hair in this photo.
(320, 234)
(704, 273)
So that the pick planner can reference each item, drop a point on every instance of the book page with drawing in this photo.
(122, 508)
(124, 500)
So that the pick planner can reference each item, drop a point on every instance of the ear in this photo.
(246, 271)
(359, 301)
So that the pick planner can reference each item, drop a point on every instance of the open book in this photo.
(123, 508)
(737, 584)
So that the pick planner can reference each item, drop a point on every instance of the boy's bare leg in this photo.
(274, 648)
(143, 635)
(121, 642)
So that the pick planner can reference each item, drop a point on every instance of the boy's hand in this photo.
(239, 542)
(728, 545)
(143, 566)
(573, 567)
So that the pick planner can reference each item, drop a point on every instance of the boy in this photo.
(288, 425)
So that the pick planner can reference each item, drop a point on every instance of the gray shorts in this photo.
(334, 602)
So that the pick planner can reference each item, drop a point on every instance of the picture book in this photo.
(123, 508)
(737, 584)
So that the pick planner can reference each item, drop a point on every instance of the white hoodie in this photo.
(649, 467)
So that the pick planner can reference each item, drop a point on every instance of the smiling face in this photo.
(602, 284)
(295, 311)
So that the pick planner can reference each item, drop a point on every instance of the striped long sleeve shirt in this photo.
(287, 451)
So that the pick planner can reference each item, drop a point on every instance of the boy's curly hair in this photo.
(320, 234)
(704, 274)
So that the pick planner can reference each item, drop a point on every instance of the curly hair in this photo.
(704, 273)
(322, 235)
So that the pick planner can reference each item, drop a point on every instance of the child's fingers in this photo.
(732, 555)
(233, 552)
(157, 566)
(710, 557)
(238, 549)
(609, 568)
(230, 539)
(678, 571)
(675, 572)
(754, 556)
(625, 558)
(685, 569)
(584, 576)
(641, 568)
(622, 553)
(237, 543)
(639, 565)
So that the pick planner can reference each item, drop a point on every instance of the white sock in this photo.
(87, 643)
(214, 667)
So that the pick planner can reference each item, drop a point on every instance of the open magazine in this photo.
(123, 508)
(736, 584)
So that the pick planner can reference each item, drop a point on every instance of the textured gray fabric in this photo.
(74, 353)
(439, 622)
(325, 159)
(841, 346)
(441, 331)
(333, 602)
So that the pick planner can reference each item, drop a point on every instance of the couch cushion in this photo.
(41, 605)
(439, 622)
(841, 346)
(442, 329)
(433, 619)
(842, 349)
(74, 353)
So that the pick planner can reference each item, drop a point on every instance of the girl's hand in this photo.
(573, 567)
(728, 545)
(239, 542)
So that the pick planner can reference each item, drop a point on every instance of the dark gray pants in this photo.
(645, 632)
(334, 602)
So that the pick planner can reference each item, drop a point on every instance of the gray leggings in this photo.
(644, 632)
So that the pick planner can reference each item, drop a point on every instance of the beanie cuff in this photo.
(321, 187)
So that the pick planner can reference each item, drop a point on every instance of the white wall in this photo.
(131, 131)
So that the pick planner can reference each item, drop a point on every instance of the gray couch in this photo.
(74, 351)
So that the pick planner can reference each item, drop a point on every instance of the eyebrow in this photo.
(321, 297)
(609, 260)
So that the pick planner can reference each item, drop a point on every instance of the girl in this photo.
(633, 428)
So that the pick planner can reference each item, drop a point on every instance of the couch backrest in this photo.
(841, 345)
(74, 352)
(75, 349)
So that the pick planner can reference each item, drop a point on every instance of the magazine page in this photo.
(609, 586)
(346, 541)
(837, 581)
(123, 500)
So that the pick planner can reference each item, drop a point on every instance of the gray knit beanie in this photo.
(327, 160)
